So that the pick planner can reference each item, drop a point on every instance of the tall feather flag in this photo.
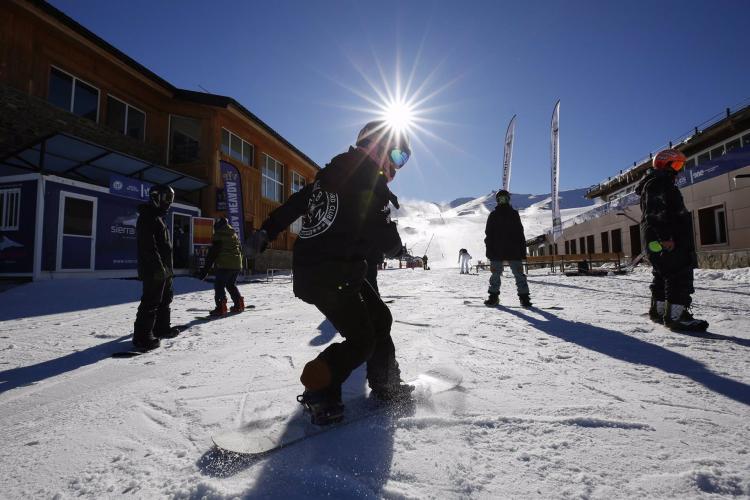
(555, 158)
(508, 152)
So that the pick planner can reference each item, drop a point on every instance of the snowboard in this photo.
(264, 436)
(501, 306)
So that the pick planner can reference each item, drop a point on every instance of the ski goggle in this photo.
(399, 157)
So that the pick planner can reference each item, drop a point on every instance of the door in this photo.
(76, 232)
(181, 240)
(635, 240)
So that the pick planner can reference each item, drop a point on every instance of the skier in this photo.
(345, 217)
(152, 322)
(464, 258)
(667, 227)
(226, 255)
(505, 241)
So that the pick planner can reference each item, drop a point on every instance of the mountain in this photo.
(572, 198)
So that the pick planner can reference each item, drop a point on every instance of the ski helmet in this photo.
(669, 158)
(161, 196)
(221, 222)
(502, 197)
(396, 143)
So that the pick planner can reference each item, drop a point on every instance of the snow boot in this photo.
(394, 393)
(145, 344)
(221, 309)
(656, 311)
(238, 306)
(525, 299)
(170, 333)
(678, 319)
(325, 406)
(316, 375)
(493, 300)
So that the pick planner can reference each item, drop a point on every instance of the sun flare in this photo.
(399, 115)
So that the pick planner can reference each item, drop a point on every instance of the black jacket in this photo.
(154, 245)
(345, 214)
(664, 215)
(504, 235)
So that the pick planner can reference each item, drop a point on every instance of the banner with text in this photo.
(129, 187)
(508, 152)
(555, 158)
(233, 193)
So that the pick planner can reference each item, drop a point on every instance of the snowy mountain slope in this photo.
(446, 232)
(590, 400)
(571, 198)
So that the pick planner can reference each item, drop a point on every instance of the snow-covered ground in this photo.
(581, 398)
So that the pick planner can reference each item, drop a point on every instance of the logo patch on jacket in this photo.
(321, 212)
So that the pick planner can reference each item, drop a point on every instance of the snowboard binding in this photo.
(323, 409)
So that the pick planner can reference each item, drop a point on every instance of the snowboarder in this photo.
(424, 263)
(345, 216)
(505, 241)
(225, 255)
(155, 270)
(464, 259)
(667, 228)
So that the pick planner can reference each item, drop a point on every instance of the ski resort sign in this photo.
(233, 191)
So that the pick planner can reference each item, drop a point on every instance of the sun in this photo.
(399, 115)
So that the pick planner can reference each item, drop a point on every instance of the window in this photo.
(617, 240)
(184, 139)
(567, 247)
(237, 148)
(690, 163)
(605, 242)
(126, 119)
(735, 144)
(77, 217)
(298, 182)
(716, 152)
(746, 140)
(703, 158)
(10, 209)
(541, 250)
(713, 225)
(273, 179)
(590, 243)
(573, 249)
(72, 94)
(582, 243)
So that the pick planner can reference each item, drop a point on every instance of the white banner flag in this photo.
(555, 157)
(508, 152)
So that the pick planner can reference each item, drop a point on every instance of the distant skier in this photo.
(424, 263)
(345, 217)
(667, 229)
(505, 241)
(225, 255)
(464, 259)
(155, 270)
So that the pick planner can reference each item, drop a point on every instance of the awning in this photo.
(69, 156)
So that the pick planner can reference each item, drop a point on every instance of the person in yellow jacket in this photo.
(225, 255)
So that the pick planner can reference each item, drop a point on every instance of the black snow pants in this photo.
(226, 279)
(153, 317)
(341, 293)
(673, 276)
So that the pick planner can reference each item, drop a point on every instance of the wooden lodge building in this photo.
(85, 130)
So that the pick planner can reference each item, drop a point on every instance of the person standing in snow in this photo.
(226, 255)
(424, 263)
(667, 229)
(464, 259)
(345, 218)
(505, 241)
(152, 322)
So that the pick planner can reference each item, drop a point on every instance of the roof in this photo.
(183, 94)
(69, 156)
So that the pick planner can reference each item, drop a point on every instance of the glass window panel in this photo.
(60, 89)
(703, 158)
(224, 141)
(3, 198)
(136, 124)
(185, 139)
(279, 194)
(78, 217)
(116, 114)
(85, 100)
(746, 140)
(732, 145)
(235, 147)
(247, 153)
(716, 152)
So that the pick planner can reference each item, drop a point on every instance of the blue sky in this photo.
(630, 75)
